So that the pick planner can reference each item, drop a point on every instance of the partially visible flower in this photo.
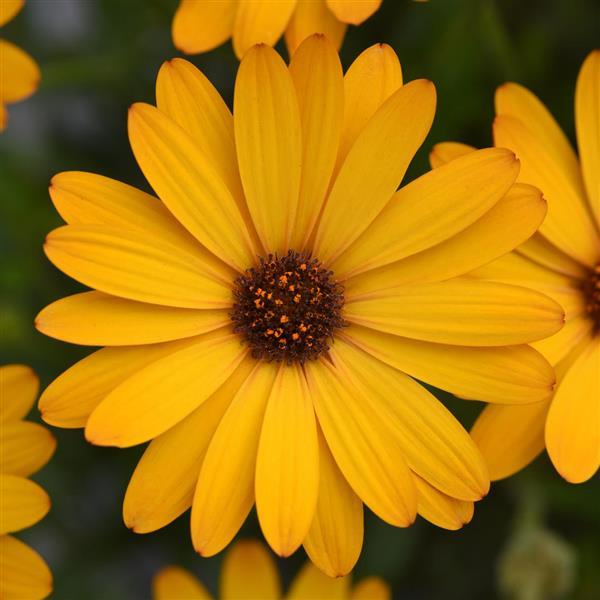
(25, 448)
(19, 73)
(562, 261)
(249, 572)
(201, 25)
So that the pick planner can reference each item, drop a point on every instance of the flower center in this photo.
(591, 289)
(288, 308)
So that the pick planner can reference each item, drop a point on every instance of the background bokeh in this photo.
(533, 537)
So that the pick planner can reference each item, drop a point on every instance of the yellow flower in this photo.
(19, 74)
(25, 448)
(562, 261)
(286, 381)
(249, 573)
(201, 25)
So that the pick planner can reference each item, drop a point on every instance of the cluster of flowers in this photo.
(480, 277)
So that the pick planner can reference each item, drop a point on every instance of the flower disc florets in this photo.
(288, 308)
(591, 289)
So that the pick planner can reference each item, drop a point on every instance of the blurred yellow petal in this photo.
(268, 142)
(444, 152)
(573, 425)
(164, 392)
(460, 312)
(249, 573)
(97, 319)
(313, 16)
(317, 75)
(20, 73)
(132, 265)
(186, 180)
(175, 583)
(23, 572)
(375, 166)
(260, 22)
(22, 503)
(371, 588)
(353, 11)
(19, 386)
(9, 10)
(568, 224)
(505, 374)
(287, 463)
(161, 488)
(363, 443)
(3, 116)
(557, 346)
(199, 26)
(587, 120)
(335, 538)
(26, 447)
(310, 584)
(225, 491)
(543, 252)
(458, 194)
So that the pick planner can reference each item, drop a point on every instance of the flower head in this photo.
(20, 74)
(264, 320)
(562, 261)
(25, 448)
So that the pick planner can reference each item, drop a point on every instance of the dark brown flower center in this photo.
(287, 308)
(591, 289)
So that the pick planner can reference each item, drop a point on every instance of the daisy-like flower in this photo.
(249, 573)
(25, 448)
(264, 319)
(19, 73)
(201, 25)
(562, 261)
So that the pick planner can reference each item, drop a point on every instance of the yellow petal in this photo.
(508, 374)
(22, 503)
(201, 26)
(267, 135)
(26, 447)
(23, 572)
(249, 573)
(510, 437)
(375, 166)
(364, 444)
(313, 16)
(287, 463)
(9, 10)
(225, 491)
(508, 223)
(97, 319)
(3, 116)
(162, 485)
(132, 265)
(557, 346)
(440, 509)
(458, 194)
(353, 11)
(161, 394)
(260, 22)
(371, 79)
(433, 442)
(335, 538)
(70, 399)
(573, 425)
(310, 583)
(18, 388)
(317, 75)
(175, 583)
(587, 120)
(446, 151)
(568, 224)
(20, 73)
(371, 588)
(187, 181)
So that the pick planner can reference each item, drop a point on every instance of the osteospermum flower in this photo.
(19, 73)
(201, 25)
(249, 572)
(264, 319)
(25, 448)
(562, 261)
